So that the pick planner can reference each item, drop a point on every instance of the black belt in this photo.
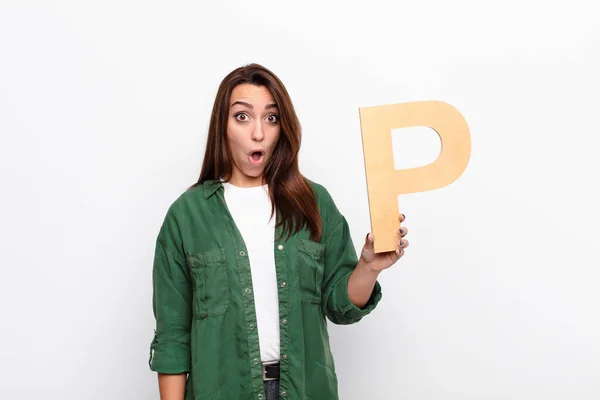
(270, 371)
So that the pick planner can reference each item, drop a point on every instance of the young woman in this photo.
(251, 259)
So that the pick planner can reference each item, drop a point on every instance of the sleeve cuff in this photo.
(349, 310)
(173, 358)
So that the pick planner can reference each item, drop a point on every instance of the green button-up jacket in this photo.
(204, 305)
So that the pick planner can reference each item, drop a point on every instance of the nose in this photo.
(258, 133)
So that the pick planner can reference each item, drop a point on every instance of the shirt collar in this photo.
(211, 186)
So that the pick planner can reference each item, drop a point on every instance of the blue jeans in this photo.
(272, 390)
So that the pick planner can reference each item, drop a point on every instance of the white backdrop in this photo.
(104, 107)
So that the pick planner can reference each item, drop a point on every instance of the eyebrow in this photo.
(250, 106)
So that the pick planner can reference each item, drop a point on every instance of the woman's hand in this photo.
(378, 262)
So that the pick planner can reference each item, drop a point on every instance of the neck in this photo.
(246, 181)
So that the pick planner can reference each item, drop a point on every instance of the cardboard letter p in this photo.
(385, 183)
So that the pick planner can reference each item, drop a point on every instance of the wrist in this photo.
(367, 268)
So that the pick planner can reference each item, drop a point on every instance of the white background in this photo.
(104, 107)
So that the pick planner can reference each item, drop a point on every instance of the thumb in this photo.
(369, 241)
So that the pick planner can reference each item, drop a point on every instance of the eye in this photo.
(273, 118)
(242, 117)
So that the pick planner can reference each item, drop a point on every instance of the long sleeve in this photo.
(340, 262)
(172, 305)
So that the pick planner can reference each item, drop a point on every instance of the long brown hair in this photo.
(290, 193)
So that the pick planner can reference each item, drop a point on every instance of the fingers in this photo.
(402, 243)
(403, 231)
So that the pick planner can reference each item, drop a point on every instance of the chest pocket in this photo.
(310, 267)
(211, 286)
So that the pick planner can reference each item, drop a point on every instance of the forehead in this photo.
(253, 94)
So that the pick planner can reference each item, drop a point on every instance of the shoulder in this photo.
(193, 195)
(321, 193)
(327, 207)
(179, 212)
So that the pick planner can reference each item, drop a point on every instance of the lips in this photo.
(256, 156)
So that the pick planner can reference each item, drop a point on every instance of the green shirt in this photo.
(204, 305)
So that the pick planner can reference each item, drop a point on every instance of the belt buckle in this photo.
(264, 370)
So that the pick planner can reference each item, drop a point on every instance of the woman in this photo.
(251, 259)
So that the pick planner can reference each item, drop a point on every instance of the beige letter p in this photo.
(385, 183)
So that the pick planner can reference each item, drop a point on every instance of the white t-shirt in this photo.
(251, 211)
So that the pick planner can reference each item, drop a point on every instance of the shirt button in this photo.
(284, 321)
(283, 393)
(284, 356)
(242, 253)
(260, 396)
(251, 326)
(256, 361)
(280, 247)
(248, 290)
(283, 284)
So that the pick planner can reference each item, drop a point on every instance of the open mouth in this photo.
(256, 156)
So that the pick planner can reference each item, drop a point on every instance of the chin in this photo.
(253, 174)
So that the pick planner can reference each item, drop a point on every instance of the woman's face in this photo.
(252, 131)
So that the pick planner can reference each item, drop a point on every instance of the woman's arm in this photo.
(361, 284)
(363, 278)
(171, 387)
(350, 287)
(170, 353)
